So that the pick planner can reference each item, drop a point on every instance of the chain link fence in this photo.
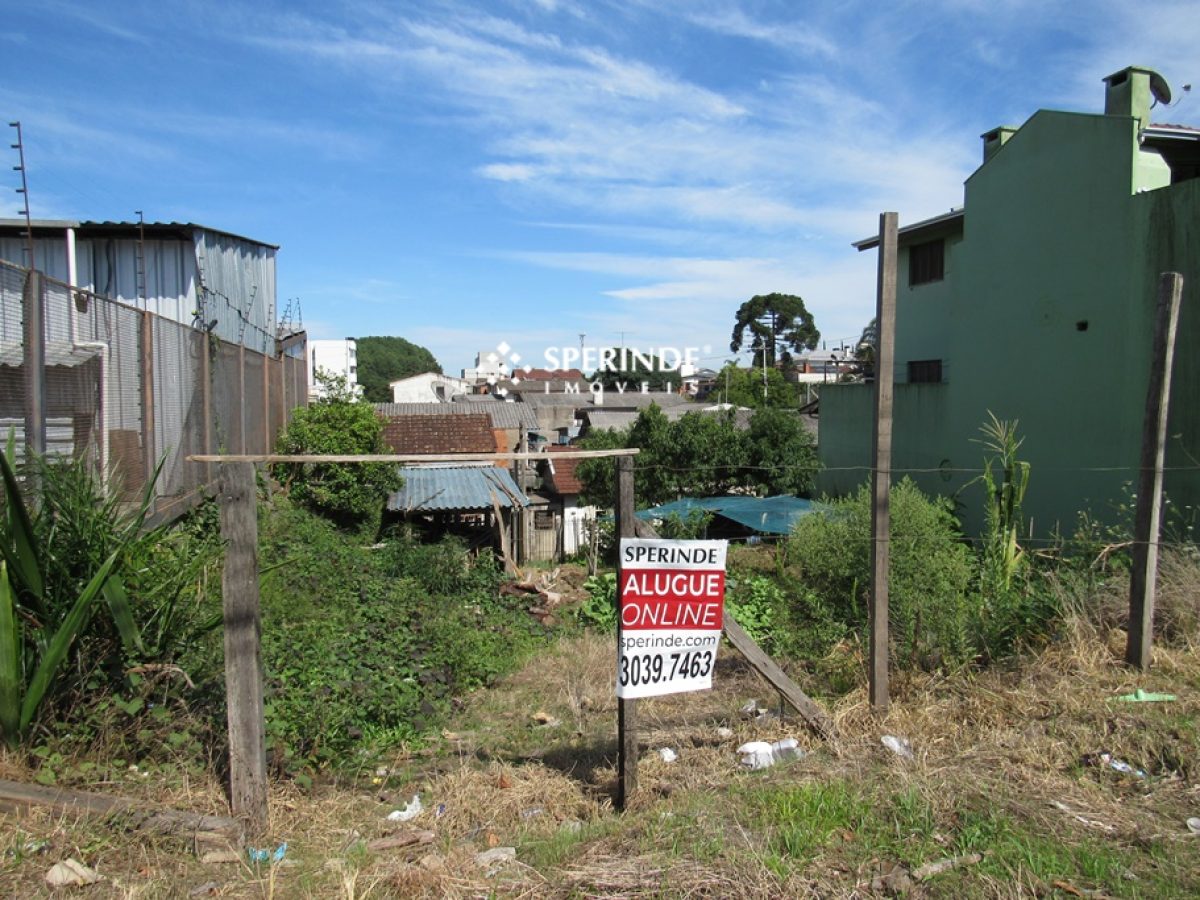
(86, 377)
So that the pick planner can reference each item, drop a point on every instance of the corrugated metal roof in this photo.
(182, 229)
(504, 415)
(446, 488)
(601, 417)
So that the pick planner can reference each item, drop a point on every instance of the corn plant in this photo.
(1005, 480)
(37, 629)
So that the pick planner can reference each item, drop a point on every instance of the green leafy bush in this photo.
(351, 494)
(599, 610)
(365, 644)
(932, 603)
(754, 602)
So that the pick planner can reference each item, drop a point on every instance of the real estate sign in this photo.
(672, 599)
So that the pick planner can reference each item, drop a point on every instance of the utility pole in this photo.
(885, 314)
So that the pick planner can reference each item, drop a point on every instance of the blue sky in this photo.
(461, 173)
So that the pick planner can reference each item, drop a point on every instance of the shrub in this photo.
(365, 644)
(931, 601)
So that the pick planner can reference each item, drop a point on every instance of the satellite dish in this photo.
(1160, 89)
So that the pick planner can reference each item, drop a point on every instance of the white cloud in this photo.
(507, 171)
(733, 22)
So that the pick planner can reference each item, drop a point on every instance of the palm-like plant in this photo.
(37, 628)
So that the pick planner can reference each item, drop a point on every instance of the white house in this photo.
(337, 357)
(488, 364)
(428, 387)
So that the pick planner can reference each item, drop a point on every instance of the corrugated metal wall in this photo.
(208, 276)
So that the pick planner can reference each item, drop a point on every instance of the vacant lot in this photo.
(1007, 794)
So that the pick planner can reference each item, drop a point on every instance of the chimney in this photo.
(995, 139)
(1132, 91)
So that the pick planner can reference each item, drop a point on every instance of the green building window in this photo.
(925, 371)
(926, 262)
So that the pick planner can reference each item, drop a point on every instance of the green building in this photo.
(1036, 301)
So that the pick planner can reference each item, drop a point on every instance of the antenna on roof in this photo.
(23, 190)
(141, 258)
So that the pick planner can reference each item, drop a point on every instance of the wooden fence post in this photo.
(33, 361)
(627, 738)
(1148, 518)
(885, 321)
(243, 658)
(149, 427)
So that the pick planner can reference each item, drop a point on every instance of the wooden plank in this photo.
(627, 730)
(203, 831)
(1148, 517)
(809, 710)
(243, 657)
(885, 321)
(409, 457)
(812, 713)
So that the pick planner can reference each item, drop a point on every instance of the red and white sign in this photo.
(672, 600)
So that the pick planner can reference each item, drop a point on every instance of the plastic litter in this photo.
(1193, 825)
(494, 859)
(788, 748)
(668, 755)
(724, 733)
(1140, 696)
(761, 755)
(440, 810)
(756, 754)
(532, 812)
(1121, 766)
(261, 856)
(411, 811)
(71, 872)
(898, 745)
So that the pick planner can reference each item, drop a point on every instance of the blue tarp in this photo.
(767, 515)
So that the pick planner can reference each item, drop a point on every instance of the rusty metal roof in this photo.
(438, 488)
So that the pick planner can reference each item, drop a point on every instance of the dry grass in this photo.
(1012, 745)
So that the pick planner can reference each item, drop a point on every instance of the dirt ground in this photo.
(1013, 789)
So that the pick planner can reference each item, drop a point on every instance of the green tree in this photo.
(382, 360)
(703, 455)
(778, 323)
(782, 453)
(866, 348)
(351, 494)
(598, 476)
(744, 387)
